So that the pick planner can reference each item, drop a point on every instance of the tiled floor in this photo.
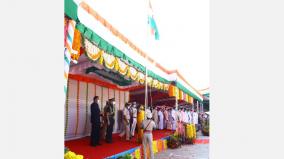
(197, 151)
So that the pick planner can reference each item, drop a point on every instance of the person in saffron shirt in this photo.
(140, 118)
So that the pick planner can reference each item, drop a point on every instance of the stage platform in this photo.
(112, 150)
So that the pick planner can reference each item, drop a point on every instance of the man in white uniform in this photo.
(174, 122)
(192, 116)
(148, 125)
(126, 122)
(161, 119)
(185, 119)
(134, 115)
(155, 115)
(189, 116)
(166, 117)
(195, 119)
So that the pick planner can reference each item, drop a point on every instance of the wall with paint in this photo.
(77, 108)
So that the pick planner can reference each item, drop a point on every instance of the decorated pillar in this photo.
(197, 106)
(177, 97)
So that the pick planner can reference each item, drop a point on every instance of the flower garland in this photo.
(116, 65)
(133, 73)
(150, 81)
(113, 63)
(76, 45)
(92, 51)
(123, 68)
(109, 61)
(194, 131)
(137, 153)
(172, 90)
(87, 94)
(155, 83)
(141, 78)
(165, 144)
(155, 149)
(180, 94)
(157, 145)
(66, 109)
(71, 155)
(167, 86)
(77, 106)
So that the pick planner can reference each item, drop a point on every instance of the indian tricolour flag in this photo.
(152, 24)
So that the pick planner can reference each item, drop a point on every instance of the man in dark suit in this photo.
(96, 123)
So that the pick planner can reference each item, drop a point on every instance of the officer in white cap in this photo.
(134, 116)
(148, 125)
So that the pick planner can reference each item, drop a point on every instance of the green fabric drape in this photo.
(70, 9)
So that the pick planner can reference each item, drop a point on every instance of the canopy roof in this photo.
(98, 31)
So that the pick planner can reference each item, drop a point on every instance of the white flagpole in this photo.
(146, 71)
(146, 90)
(176, 99)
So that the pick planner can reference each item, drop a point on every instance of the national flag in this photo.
(152, 23)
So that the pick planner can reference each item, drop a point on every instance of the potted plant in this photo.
(188, 141)
(205, 127)
(127, 156)
(174, 142)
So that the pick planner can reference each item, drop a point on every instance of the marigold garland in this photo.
(66, 109)
(154, 145)
(116, 65)
(123, 68)
(72, 155)
(113, 63)
(76, 45)
(101, 59)
(92, 51)
(87, 95)
(128, 72)
(109, 61)
(77, 106)
(141, 78)
(97, 55)
(133, 73)
(165, 144)
(137, 153)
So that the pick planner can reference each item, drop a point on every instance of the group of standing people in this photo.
(166, 118)
(169, 118)
(129, 120)
(103, 121)
(133, 116)
(107, 118)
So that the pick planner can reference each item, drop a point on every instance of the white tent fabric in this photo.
(104, 93)
(175, 77)
(93, 24)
